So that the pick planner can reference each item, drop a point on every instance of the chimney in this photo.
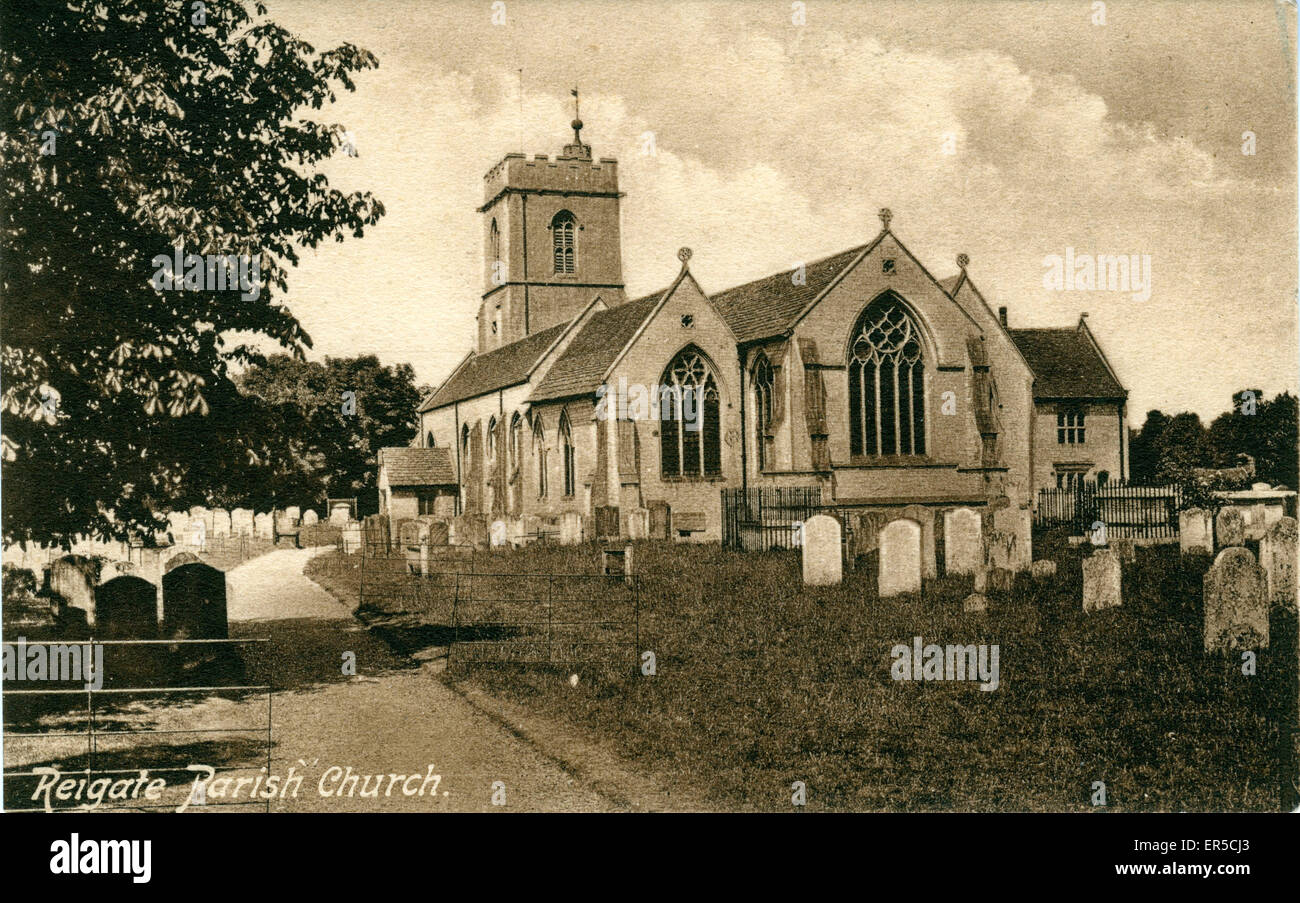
(1002, 316)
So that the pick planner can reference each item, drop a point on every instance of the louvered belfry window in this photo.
(690, 435)
(564, 238)
(886, 383)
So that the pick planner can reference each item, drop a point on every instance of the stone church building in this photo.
(896, 393)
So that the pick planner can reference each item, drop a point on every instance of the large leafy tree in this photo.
(327, 422)
(172, 124)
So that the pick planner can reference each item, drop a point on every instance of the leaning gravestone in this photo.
(1195, 531)
(900, 558)
(962, 542)
(73, 577)
(1229, 528)
(570, 528)
(194, 603)
(1101, 581)
(1236, 602)
(497, 534)
(1277, 555)
(126, 608)
(823, 561)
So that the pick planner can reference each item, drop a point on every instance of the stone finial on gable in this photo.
(684, 255)
(885, 216)
(963, 261)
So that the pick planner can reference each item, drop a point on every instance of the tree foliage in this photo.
(170, 128)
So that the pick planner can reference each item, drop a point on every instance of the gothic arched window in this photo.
(886, 383)
(539, 449)
(464, 445)
(428, 440)
(564, 230)
(494, 242)
(690, 437)
(516, 441)
(566, 449)
(492, 439)
(764, 384)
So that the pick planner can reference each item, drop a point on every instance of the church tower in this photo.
(551, 240)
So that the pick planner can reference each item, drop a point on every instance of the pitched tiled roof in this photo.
(767, 306)
(1066, 364)
(584, 362)
(495, 369)
(418, 466)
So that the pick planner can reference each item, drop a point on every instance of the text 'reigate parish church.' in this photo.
(861, 374)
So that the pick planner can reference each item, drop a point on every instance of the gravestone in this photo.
(661, 522)
(340, 513)
(241, 522)
(198, 512)
(1001, 550)
(823, 561)
(690, 522)
(1256, 524)
(515, 532)
(126, 608)
(74, 577)
(413, 540)
(963, 548)
(1277, 555)
(1229, 528)
(1101, 581)
(607, 521)
(570, 528)
(1001, 579)
(310, 518)
(1236, 602)
(638, 524)
(439, 534)
(220, 522)
(533, 526)
(263, 526)
(183, 558)
(178, 524)
(900, 558)
(982, 579)
(197, 537)
(194, 603)
(378, 537)
(294, 513)
(975, 602)
(475, 531)
(1195, 531)
(497, 534)
(1043, 569)
(351, 538)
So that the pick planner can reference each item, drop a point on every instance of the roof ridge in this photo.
(812, 263)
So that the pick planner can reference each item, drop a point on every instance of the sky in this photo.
(1008, 131)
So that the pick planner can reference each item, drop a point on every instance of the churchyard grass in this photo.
(762, 682)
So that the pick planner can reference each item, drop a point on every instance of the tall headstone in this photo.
(1277, 555)
(340, 513)
(1195, 531)
(378, 537)
(351, 538)
(660, 520)
(194, 603)
(241, 522)
(823, 557)
(638, 523)
(263, 526)
(1236, 602)
(570, 528)
(73, 578)
(220, 522)
(1101, 581)
(1229, 527)
(606, 521)
(126, 608)
(900, 558)
(963, 548)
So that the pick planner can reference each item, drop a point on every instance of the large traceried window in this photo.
(566, 450)
(886, 383)
(690, 434)
(564, 237)
(763, 387)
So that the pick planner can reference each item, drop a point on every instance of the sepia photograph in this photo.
(576, 406)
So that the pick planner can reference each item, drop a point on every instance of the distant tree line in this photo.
(1169, 448)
